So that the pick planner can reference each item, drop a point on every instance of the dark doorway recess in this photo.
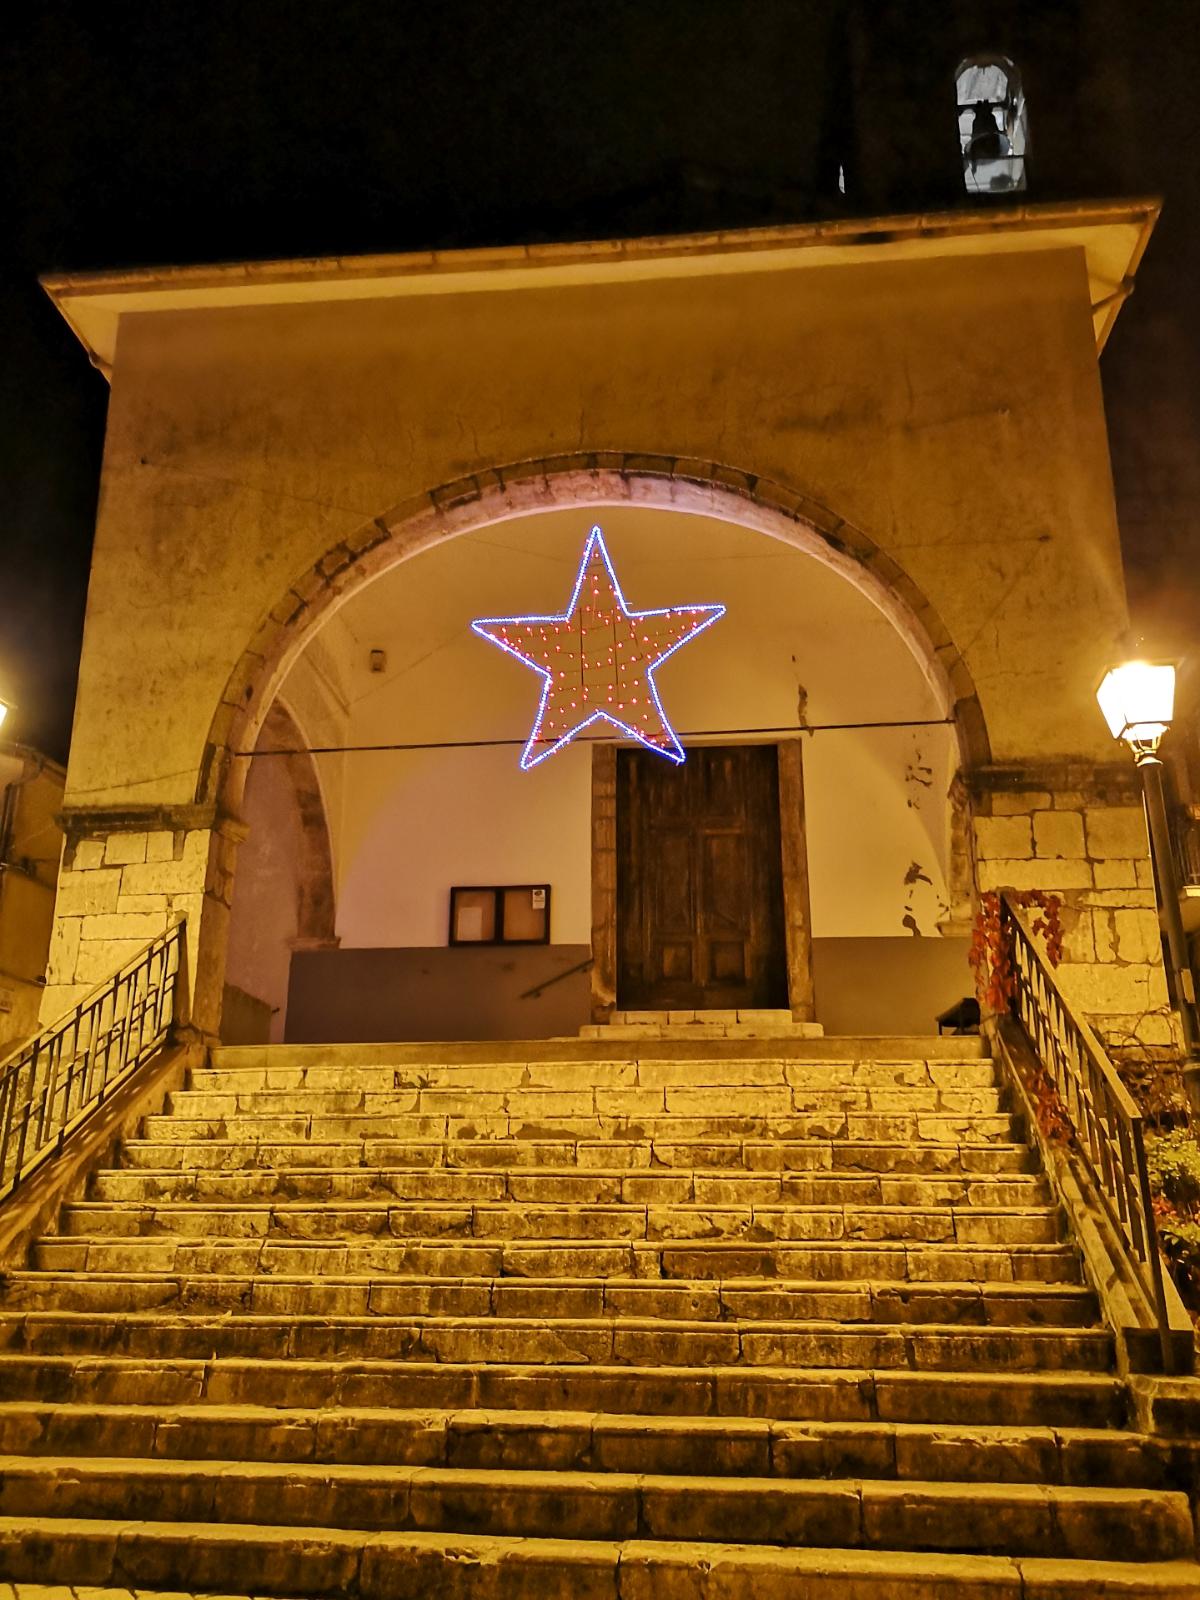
(700, 912)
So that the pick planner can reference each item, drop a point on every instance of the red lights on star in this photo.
(610, 652)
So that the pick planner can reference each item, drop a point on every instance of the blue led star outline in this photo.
(706, 615)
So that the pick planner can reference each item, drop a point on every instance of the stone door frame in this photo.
(797, 915)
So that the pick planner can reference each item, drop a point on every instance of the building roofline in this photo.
(1112, 233)
(29, 752)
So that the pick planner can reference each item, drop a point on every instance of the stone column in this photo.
(604, 882)
(126, 875)
(1079, 831)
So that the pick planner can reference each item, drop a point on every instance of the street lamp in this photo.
(1138, 702)
(4, 710)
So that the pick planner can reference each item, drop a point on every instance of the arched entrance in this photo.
(592, 480)
(531, 496)
(283, 898)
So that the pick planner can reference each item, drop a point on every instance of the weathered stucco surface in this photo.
(949, 408)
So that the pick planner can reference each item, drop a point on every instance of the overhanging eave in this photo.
(1112, 235)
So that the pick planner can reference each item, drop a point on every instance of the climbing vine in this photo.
(996, 982)
(991, 950)
(1049, 1106)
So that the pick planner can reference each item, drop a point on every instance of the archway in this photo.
(591, 480)
(525, 499)
(284, 893)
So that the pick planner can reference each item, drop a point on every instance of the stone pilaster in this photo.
(125, 877)
(1079, 832)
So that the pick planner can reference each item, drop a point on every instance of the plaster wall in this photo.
(31, 791)
(263, 922)
(950, 408)
(799, 645)
(315, 701)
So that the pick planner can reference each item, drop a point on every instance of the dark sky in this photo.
(133, 133)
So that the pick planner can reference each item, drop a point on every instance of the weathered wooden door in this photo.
(700, 920)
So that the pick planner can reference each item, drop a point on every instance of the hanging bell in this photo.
(985, 142)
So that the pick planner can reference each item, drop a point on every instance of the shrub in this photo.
(1174, 1162)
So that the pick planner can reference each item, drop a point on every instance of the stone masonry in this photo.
(121, 888)
(1088, 845)
(774, 1320)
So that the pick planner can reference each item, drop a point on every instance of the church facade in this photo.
(879, 446)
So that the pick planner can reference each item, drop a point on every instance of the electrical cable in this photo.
(492, 744)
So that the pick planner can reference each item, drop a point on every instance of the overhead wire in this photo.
(492, 744)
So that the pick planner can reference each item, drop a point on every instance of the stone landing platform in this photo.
(698, 1025)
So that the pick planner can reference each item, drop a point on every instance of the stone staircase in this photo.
(786, 1318)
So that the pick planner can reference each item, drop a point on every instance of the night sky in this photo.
(137, 134)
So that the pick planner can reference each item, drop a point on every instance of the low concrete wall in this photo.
(888, 985)
(353, 996)
(348, 996)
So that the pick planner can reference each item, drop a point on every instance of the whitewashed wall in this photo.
(798, 642)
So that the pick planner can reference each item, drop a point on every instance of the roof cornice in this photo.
(1112, 234)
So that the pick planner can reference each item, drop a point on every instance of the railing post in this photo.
(1154, 1259)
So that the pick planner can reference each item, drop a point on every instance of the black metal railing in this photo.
(52, 1083)
(1108, 1128)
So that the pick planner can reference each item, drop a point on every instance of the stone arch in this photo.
(589, 479)
(283, 899)
(314, 888)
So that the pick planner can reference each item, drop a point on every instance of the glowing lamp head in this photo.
(4, 710)
(1138, 702)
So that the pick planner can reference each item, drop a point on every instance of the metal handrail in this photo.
(1109, 1129)
(548, 983)
(48, 1086)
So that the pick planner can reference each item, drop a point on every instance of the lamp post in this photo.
(1138, 702)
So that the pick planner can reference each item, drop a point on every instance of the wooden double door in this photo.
(700, 891)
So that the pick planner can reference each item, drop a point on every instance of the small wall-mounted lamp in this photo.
(1138, 702)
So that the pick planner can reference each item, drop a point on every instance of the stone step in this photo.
(580, 1441)
(626, 1340)
(704, 1072)
(862, 1126)
(677, 1016)
(487, 1257)
(536, 1104)
(954, 1157)
(162, 1561)
(1099, 1524)
(434, 1219)
(574, 1053)
(589, 1188)
(969, 1305)
(1081, 1400)
(534, 1319)
(702, 1026)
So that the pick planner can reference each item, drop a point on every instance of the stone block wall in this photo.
(1082, 836)
(124, 881)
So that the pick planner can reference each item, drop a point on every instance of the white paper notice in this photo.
(469, 923)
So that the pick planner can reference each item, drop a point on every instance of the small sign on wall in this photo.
(515, 913)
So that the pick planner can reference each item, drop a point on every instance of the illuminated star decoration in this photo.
(598, 659)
